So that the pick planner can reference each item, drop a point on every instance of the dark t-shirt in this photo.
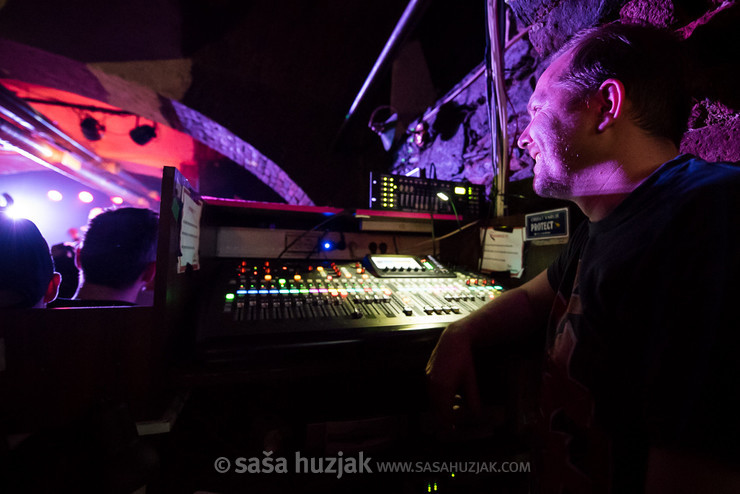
(643, 336)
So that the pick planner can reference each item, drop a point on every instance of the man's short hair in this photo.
(647, 60)
(118, 246)
(26, 267)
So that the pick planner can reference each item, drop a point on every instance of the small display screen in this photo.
(400, 262)
(400, 266)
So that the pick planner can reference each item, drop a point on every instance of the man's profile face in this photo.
(556, 136)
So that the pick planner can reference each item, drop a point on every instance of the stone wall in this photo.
(458, 142)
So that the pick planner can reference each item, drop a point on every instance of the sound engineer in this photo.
(637, 313)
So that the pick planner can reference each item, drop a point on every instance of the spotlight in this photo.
(85, 197)
(23, 208)
(383, 122)
(142, 134)
(94, 212)
(91, 129)
(54, 195)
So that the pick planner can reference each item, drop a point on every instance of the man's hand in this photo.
(510, 317)
(451, 375)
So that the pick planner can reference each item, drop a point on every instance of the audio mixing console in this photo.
(323, 300)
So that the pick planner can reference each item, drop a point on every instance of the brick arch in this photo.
(36, 66)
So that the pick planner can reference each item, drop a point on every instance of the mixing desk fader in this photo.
(278, 298)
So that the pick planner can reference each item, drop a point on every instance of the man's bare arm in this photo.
(511, 317)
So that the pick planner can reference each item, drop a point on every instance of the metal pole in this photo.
(497, 104)
(413, 10)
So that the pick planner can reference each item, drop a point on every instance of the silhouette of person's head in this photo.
(118, 254)
(27, 277)
(64, 262)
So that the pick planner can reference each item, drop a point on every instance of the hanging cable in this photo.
(331, 218)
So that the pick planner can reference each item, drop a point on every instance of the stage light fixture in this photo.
(54, 195)
(142, 134)
(85, 197)
(91, 129)
(383, 122)
(94, 212)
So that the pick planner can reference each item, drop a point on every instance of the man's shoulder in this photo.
(698, 172)
(691, 179)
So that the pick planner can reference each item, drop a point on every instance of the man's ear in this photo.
(610, 99)
(53, 289)
(77, 257)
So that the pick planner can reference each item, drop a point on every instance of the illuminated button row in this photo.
(242, 292)
(339, 273)
(290, 284)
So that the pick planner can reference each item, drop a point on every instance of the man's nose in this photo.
(525, 139)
